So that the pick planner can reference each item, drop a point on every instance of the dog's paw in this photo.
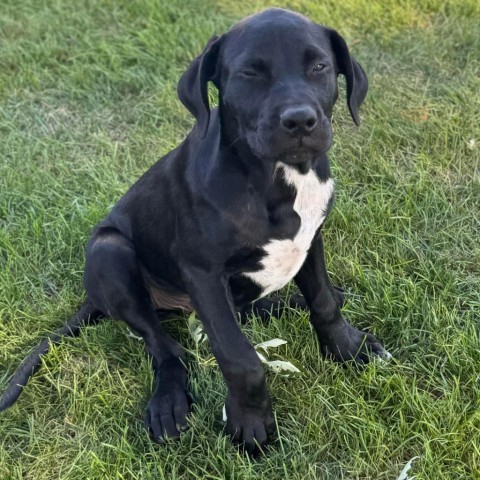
(166, 415)
(344, 343)
(250, 428)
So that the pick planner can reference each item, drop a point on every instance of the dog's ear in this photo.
(192, 87)
(357, 83)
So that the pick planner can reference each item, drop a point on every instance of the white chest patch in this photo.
(284, 258)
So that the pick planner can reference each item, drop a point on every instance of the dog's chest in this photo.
(284, 257)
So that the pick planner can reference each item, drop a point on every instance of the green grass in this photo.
(88, 102)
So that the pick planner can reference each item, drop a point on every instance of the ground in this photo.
(88, 102)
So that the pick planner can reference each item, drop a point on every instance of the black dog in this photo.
(229, 216)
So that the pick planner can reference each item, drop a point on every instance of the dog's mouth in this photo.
(300, 159)
(296, 156)
(291, 151)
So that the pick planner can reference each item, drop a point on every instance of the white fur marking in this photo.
(285, 257)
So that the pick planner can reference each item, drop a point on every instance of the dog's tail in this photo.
(87, 315)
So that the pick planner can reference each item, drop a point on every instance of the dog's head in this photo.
(276, 73)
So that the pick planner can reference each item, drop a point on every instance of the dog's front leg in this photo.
(249, 411)
(338, 339)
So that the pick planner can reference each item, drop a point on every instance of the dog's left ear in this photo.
(192, 87)
(357, 83)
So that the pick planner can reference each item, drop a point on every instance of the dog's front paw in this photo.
(166, 415)
(250, 427)
(343, 343)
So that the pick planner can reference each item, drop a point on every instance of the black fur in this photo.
(189, 229)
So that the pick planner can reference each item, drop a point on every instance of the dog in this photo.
(231, 215)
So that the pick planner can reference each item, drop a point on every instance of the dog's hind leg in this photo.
(265, 308)
(114, 283)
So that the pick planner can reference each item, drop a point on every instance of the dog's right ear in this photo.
(192, 88)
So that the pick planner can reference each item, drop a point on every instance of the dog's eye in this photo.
(319, 67)
(255, 69)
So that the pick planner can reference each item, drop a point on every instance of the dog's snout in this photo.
(298, 120)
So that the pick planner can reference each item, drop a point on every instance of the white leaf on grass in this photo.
(196, 329)
(224, 413)
(279, 366)
(262, 358)
(198, 335)
(132, 335)
(406, 468)
(276, 342)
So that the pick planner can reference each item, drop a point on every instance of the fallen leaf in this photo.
(406, 468)
(276, 342)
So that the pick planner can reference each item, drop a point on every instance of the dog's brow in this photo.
(313, 53)
(255, 62)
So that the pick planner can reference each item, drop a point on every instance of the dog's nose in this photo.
(298, 120)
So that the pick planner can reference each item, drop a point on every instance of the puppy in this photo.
(232, 214)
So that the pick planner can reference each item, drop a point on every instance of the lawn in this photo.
(88, 102)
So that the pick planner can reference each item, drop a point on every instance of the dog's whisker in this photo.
(234, 141)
